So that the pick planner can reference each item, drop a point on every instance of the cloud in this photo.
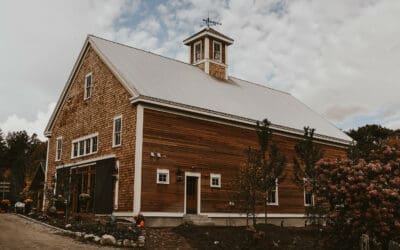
(17, 123)
(341, 58)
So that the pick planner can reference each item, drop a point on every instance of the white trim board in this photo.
(198, 175)
(213, 215)
(104, 157)
(137, 183)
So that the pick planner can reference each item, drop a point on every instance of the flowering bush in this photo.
(5, 202)
(363, 198)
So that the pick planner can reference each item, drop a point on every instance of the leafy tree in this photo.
(363, 197)
(368, 138)
(307, 155)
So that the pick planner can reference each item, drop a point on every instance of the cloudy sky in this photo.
(341, 58)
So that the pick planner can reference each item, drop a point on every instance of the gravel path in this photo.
(19, 233)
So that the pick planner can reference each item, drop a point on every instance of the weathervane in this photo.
(210, 22)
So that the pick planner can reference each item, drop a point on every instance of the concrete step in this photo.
(198, 220)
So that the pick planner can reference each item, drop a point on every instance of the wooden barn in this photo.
(137, 132)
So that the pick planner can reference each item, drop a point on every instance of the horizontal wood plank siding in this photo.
(206, 147)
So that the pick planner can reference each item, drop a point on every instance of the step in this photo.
(198, 220)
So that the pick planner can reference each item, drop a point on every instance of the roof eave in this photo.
(234, 118)
(207, 33)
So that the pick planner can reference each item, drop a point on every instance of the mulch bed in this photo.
(240, 238)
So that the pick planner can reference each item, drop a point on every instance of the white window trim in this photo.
(58, 156)
(113, 135)
(83, 138)
(276, 203)
(162, 171)
(219, 180)
(304, 194)
(85, 97)
(220, 51)
(194, 51)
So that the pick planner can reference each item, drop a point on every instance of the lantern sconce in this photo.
(179, 175)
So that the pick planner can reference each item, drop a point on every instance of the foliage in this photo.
(307, 155)
(258, 176)
(362, 197)
(368, 138)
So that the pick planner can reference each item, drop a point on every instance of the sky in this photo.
(341, 58)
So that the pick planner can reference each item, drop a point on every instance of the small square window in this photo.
(215, 180)
(162, 176)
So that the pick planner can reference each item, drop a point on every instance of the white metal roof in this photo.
(166, 79)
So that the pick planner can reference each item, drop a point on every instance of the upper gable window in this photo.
(88, 86)
(197, 51)
(117, 131)
(58, 148)
(217, 47)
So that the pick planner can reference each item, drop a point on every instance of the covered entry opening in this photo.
(88, 188)
(192, 193)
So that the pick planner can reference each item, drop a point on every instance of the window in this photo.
(215, 180)
(58, 148)
(308, 199)
(117, 129)
(84, 146)
(197, 51)
(88, 86)
(162, 176)
(308, 196)
(273, 195)
(217, 51)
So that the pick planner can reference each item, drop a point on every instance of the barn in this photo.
(134, 132)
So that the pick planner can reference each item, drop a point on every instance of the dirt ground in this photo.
(19, 233)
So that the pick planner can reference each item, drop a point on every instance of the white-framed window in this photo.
(217, 51)
(162, 176)
(308, 196)
(198, 50)
(117, 131)
(88, 86)
(58, 148)
(83, 146)
(272, 198)
(215, 180)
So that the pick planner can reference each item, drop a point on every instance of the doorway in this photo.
(192, 195)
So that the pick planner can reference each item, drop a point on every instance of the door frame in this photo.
(198, 175)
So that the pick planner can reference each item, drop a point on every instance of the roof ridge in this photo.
(143, 50)
(261, 85)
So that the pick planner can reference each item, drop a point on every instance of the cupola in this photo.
(208, 49)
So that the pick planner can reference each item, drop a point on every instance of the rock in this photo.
(126, 243)
(141, 241)
(108, 240)
(119, 242)
(68, 226)
(78, 234)
(89, 236)
(96, 239)
(216, 242)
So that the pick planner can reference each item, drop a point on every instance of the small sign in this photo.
(5, 183)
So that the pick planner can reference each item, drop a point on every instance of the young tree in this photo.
(258, 176)
(307, 155)
(273, 163)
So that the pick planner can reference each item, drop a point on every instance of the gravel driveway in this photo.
(19, 233)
